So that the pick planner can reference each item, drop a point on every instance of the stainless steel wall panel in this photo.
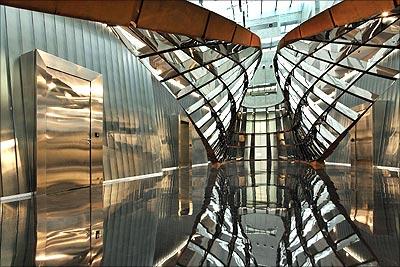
(143, 122)
(135, 116)
(28, 108)
(27, 28)
(387, 128)
(121, 138)
(149, 122)
(124, 104)
(80, 57)
(128, 109)
(112, 122)
(131, 108)
(70, 36)
(167, 127)
(10, 182)
(17, 227)
(51, 35)
(131, 105)
(87, 46)
(109, 159)
(62, 42)
(8, 234)
(38, 31)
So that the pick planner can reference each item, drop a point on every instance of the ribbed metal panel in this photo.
(167, 125)
(141, 222)
(17, 233)
(131, 119)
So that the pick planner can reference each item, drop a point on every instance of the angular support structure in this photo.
(345, 61)
(208, 78)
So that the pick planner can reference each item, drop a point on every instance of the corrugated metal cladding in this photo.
(141, 217)
(18, 233)
(135, 112)
(168, 134)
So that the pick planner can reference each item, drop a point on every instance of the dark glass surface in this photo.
(266, 213)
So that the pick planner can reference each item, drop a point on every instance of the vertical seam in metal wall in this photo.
(143, 119)
(128, 130)
(110, 78)
(28, 180)
(15, 89)
(55, 33)
(131, 70)
(122, 111)
(10, 101)
(135, 76)
(128, 86)
(124, 103)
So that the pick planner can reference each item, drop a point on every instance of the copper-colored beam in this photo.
(117, 12)
(347, 11)
(172, 16)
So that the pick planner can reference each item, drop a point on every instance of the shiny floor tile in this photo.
(247, 213)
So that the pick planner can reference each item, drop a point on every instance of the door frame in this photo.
(30, 62)
(182, 119)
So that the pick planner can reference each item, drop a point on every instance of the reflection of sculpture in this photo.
(218, 238)
(317, 228)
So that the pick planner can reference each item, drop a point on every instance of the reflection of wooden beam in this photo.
(172, 16)
(347, 11)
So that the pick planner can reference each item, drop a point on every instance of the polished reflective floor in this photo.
(247, 213)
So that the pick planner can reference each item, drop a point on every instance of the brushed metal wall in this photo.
(18, 235)
(134, 104)
(386, 121)
(168, 124)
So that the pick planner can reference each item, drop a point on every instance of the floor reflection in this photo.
(252, 213)
(280, 214)
(148, 221)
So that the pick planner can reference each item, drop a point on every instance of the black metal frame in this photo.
(220, 115)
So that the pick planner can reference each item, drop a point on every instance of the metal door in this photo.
(185, 142)
(361, 138)
(361, 157)
(68, 161)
